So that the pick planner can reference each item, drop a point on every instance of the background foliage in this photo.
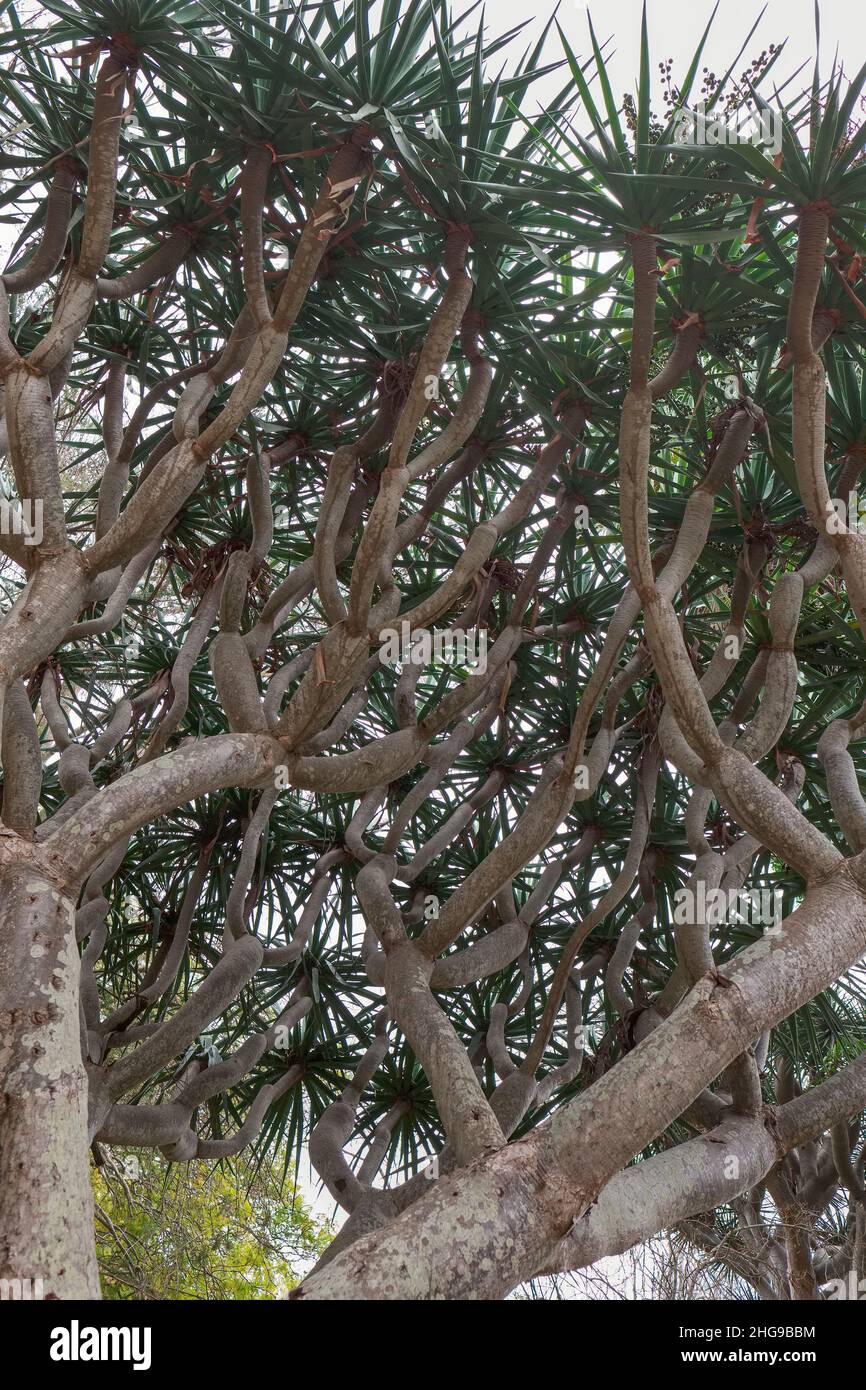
(550, 197)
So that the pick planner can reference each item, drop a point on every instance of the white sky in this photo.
(675, 31)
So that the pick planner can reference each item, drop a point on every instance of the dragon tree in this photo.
(432, 650)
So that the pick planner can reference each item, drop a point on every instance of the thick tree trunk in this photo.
(46, 1207)
(494, 1223)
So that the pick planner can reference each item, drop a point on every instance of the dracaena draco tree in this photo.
(316, 332)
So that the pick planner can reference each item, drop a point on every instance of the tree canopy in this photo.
(320, 331)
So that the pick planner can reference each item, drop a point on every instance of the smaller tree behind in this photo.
(235, 1230)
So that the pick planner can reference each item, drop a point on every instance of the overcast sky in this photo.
(675, 30)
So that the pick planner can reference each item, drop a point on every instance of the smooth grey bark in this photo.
(46, 1207)
(492, 1224)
